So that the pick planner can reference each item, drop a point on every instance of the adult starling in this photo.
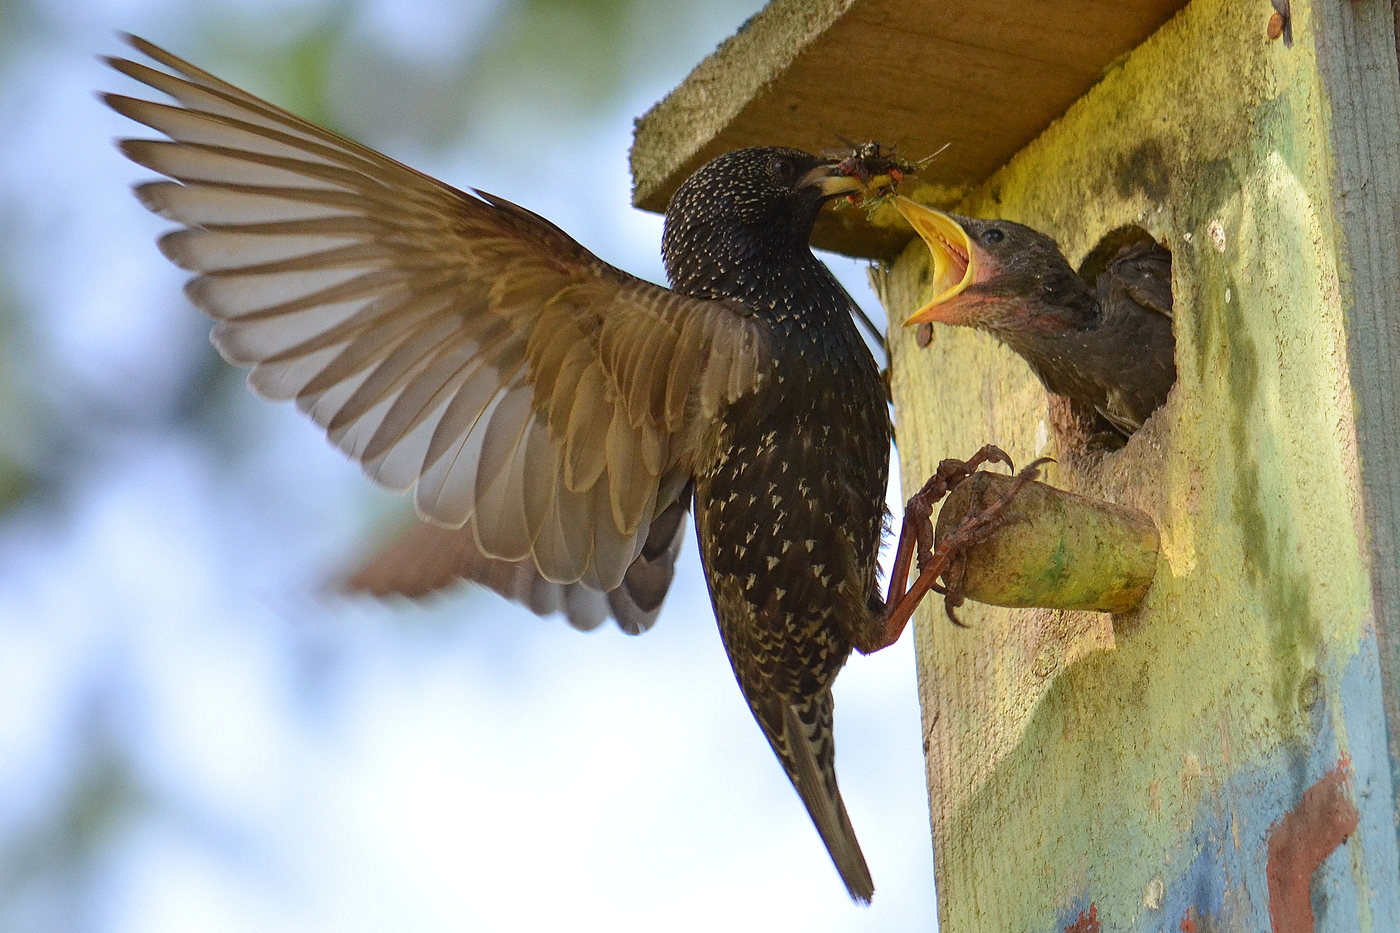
(560, 412)
(1102, 340)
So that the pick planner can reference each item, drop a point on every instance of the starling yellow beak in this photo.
(954, 259)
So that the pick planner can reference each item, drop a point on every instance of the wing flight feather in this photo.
(545, 402)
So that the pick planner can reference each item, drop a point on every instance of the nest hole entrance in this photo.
(1094, 264)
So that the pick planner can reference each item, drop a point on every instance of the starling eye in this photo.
(782, 170)
(993, 236)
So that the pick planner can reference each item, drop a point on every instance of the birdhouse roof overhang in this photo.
(981, 79)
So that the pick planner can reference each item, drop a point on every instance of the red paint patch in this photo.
(1299, 843)
(1188, 924)
(1088, 921)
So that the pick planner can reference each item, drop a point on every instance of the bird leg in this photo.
(972, 529)
(916, 531)
(916, 543)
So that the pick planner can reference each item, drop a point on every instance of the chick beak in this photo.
(954, 260)
(833, 182)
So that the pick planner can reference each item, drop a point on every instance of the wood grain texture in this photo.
(983, 78)
(1357, 60)
(1132, 765)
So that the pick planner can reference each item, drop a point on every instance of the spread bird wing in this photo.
(423, 558)
(461, 344)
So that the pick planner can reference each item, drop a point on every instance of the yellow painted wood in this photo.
(1079, 758)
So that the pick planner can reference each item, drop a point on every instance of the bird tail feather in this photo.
(808, 755)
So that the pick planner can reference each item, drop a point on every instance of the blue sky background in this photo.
(193, 735)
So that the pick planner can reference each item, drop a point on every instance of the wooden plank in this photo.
(984, 78)
(1195, 764)
(1357, 58)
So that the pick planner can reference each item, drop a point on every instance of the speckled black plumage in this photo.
(790, 493)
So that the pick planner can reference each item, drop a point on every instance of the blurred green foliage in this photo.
(18, 447)
(18, 23)
(554, 63)
(548, 50)
(48, 869)
(286, 60)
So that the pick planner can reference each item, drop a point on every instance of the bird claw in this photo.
(974, 529)
(949, 475)
(916, 543)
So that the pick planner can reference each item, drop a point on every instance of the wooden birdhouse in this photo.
(1223, 757)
